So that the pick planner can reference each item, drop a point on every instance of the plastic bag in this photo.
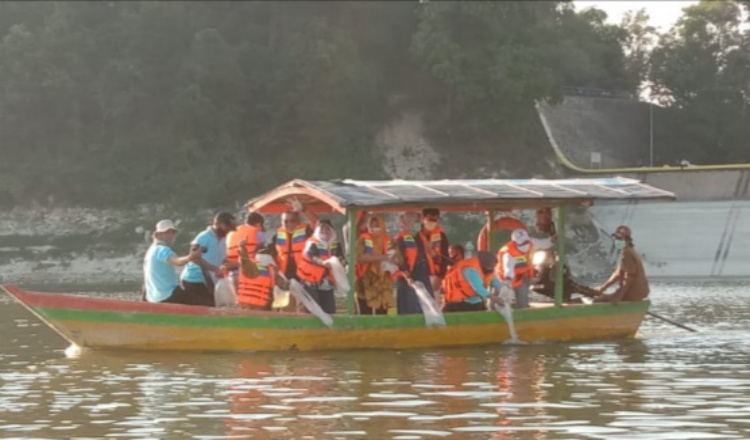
(280, 298)
(433, 316)
(224, 295)
(340, 280)
(304, 298)
(506, 294)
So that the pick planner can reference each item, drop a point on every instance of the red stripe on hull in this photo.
(78, 302)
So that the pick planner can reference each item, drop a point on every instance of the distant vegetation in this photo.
(203, 103)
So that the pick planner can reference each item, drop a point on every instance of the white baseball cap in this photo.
(165, 225)
(520, 236)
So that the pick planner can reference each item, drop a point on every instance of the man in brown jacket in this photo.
(629, 272)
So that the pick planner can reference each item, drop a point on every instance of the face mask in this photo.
(375, 230)
(430, 225)
(260, 236)
(619, 244)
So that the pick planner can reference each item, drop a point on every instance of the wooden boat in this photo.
(120, 324)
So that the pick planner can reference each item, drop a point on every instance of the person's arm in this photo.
(363, 257)
(628, 271)
(172, 258)
(443, 255)
(475, 281)
(202, 244)
(311, 252)
(246, 265)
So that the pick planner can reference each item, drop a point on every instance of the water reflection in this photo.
(669, 384)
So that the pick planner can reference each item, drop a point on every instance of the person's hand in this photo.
(195, 252)
(496, 301)
(218, 272)
(601, 288)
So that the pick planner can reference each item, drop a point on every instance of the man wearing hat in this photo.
(514, 265)
(159, 266)
(199, 276)
(629, 272)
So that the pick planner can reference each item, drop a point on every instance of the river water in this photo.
(666, 384)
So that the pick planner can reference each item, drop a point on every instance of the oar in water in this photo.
(677, 324)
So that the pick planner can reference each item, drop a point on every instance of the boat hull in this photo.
(116, 324)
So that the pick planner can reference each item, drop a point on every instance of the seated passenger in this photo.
(257, 277)
(374, 284)
(465, 286)
(160, 280)
(314, 268)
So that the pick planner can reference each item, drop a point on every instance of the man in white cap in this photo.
(514, 265)
(159, 275)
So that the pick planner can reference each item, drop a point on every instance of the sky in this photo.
(663, 14)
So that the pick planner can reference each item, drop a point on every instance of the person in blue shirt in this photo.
(200, 275)
(465, 286)
(160, 264)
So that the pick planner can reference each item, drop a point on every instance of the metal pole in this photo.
(560, 244)
(352, 260)
(651, 133)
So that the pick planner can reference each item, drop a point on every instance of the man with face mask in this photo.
(514, 265)
(314, 268)
(629, 272)
(160, 280)
(200, 276)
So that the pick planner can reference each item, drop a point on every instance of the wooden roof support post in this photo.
(562, 212)
(490, 220)
(352, 260)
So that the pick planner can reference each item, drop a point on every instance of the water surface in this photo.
(667, 384)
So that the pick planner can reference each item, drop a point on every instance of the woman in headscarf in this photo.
(315, 271)
(376, 262)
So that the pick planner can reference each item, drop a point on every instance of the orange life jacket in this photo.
(290, 239)
(432, 243)
(369, 243)
(523, 267)
(243, 232)
(256, 292)
(455, 286)
(310, 272)
(410, 248)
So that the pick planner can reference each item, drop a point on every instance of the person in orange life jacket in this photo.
(289, 241)
(375, 265)
(258, 275)
(465, 285)
(436, 245)
(253, 234)
(514, 265)
(199, 277)
(415, 265)
(314, 268)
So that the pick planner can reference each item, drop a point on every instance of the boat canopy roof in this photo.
(468, 195)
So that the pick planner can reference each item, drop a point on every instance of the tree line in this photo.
(203, 103)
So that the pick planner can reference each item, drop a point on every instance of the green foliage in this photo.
(701, 69)
(207, 103)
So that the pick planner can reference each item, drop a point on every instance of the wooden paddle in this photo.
(676, 324)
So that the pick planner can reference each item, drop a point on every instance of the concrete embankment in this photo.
(705, 233)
